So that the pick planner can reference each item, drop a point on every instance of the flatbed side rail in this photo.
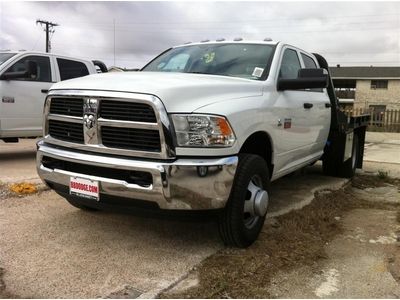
(359, 121)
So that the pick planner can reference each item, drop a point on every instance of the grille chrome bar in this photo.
(127, 124)
(65, 118)
(162, 148)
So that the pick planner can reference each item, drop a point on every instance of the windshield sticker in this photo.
(257, 72)
(209, 57)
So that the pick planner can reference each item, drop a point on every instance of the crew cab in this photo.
(25, 78)
(203, 126)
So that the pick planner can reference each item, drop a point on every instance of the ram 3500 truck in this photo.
(203, 126)
(25, 78)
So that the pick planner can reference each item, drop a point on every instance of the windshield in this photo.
(5, 56)
(249, 61)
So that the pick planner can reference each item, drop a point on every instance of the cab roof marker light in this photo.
(220, 40)
(238, 39)
(267, 40)
(204, 41)
(187, 43)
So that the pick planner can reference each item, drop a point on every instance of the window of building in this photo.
(71, 69)
(290, 65)
(43, 68)
(379, 84)
(309, 63)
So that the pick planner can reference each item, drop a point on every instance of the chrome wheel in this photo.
(256, 202)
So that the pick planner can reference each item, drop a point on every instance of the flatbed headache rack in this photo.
(342, 132)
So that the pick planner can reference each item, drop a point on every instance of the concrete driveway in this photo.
(382, 153)
(51, 249)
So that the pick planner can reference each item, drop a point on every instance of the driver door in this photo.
(22, 100)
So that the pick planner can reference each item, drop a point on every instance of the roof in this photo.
(365, 72)
(29, 52)
(241, 41)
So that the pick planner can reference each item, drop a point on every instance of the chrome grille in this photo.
(66, 131)
(108, 122)
(127, 111)
(131, 138)
(67, 106)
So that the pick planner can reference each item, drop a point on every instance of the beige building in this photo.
(367, 87)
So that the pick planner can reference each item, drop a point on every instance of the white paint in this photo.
(23, 116)
(329, 286)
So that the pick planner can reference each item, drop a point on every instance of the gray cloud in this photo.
(349, 33)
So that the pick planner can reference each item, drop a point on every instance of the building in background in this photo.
(376, 88)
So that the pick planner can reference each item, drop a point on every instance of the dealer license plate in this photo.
(84, 188)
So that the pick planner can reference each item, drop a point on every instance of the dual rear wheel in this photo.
(346, 169)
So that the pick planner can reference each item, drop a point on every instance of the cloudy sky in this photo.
(347, 33)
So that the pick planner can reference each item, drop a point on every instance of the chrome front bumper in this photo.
(186, 184)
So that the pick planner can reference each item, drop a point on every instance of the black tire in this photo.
(348, 168)
(233, 229)
(81, 206)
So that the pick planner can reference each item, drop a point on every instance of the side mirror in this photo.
(29, 73)
(102, 66)
(306, 79)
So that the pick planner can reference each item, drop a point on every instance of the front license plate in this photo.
(84, 188)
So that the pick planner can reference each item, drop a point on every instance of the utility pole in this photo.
(49, 29)
(114, 40)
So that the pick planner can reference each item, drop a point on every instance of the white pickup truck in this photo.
(25, 78)
(203, 126)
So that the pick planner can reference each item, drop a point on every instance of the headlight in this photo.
(202, 131)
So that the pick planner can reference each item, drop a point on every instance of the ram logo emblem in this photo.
(90, 107)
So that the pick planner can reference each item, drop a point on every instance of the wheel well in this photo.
(259, 143)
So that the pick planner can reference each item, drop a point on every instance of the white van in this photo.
(25, 78)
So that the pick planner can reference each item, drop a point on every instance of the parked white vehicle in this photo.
(202, 126)
(25, 78)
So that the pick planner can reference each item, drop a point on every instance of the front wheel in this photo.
(242, 219)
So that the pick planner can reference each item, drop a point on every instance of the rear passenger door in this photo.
(319, 114)
(69, 69)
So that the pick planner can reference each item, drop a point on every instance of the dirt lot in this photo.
(50, 249)
(345, 244)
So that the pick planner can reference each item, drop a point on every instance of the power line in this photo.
(49, 30)
(237, 21)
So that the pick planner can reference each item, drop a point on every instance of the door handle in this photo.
(44, 91)
(328, 105)
(308, 105)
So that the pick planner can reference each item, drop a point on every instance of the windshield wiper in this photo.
(197, 72)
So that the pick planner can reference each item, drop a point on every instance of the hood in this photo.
(180, 92)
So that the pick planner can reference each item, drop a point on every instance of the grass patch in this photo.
(299, 240)
(383, 175)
